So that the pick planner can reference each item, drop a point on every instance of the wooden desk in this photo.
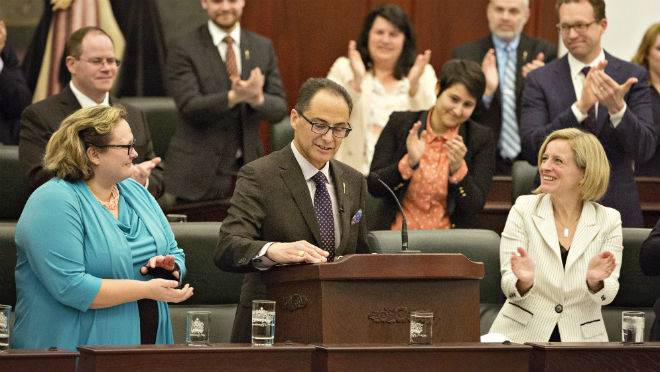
(464, 357)
(601, 357)
(38, 360)
(181, 358)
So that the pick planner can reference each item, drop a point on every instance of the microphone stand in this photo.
(404, 224)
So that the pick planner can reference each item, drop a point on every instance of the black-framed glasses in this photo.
(580, 28)
(339, 130)
(98, 62)
(129, 147)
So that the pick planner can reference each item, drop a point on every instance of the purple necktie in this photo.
(590, 121)
(323, 209)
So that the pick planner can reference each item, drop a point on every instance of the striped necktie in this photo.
(509, 142)
(230, 59)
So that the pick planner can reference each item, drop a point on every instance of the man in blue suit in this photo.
(597, 92)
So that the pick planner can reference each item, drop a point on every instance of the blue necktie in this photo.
(509, 142)
(323, 209)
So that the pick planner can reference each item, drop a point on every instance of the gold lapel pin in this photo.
(344, 185)
(524, 56)
(247, 54)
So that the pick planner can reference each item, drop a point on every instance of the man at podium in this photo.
(298, 204)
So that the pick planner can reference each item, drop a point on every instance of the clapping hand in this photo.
(3, 35)
(456, 151)
(489, 68)
(600, 268)
(608, 92)
(417, 70)
(522, 266)
(357, 66)
(415, 144)
(251, 90)
(532, 65)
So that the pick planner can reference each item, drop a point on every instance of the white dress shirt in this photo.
(85, 101)
(218, 35)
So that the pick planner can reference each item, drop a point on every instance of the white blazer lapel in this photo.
(585, 232)
(544, 220)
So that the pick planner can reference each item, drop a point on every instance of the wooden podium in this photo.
(368, 298)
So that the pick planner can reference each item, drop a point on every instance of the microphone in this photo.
(404, 223)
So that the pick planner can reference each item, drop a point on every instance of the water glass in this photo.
(198, 328)
(421, 328)
(5, 318)
(263, 323)
(632, 326)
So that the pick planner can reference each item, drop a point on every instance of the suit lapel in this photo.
(544, 220)
(585, 232)
(214, 61)
(295, 181)
(564, 83)
(343, 197)
(523, 56)
(246, 56)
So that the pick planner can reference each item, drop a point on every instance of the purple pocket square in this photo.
(356, 217)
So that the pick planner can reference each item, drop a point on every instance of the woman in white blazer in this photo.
(560, 251)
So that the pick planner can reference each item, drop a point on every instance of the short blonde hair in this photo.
(589, 156)
(66, 152)
(644, 49)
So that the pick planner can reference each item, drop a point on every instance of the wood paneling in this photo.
(310, 34)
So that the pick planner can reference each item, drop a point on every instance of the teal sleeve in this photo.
(50, 233)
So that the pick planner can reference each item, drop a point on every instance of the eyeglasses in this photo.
(129, 147)
(580, 28)
(98, 62)
(338, 131)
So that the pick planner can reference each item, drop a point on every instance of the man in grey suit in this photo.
(224, 80)
(499, 107)
(93, 66)
(298, 204)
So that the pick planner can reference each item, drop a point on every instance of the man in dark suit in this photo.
(224, 80)
(14, 92)
(592, 90)
(499, 108)
(296, 205)
(93, 67)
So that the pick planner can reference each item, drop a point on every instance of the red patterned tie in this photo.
(230, 59)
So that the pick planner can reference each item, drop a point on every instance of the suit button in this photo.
(559, 308)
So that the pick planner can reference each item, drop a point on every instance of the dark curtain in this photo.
(143, 64)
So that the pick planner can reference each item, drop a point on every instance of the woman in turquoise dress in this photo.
(96, 259)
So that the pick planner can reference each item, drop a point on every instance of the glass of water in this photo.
(5, 318)
(421, 328)
(263, 322)
(632, 326)
(198, 328)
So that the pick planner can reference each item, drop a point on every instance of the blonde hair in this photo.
(66, 152)
(648, 41)
(589, 156)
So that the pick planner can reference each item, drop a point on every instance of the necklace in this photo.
(566, 232)
(113, 203)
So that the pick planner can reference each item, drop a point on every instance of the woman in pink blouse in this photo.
(439, 162)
